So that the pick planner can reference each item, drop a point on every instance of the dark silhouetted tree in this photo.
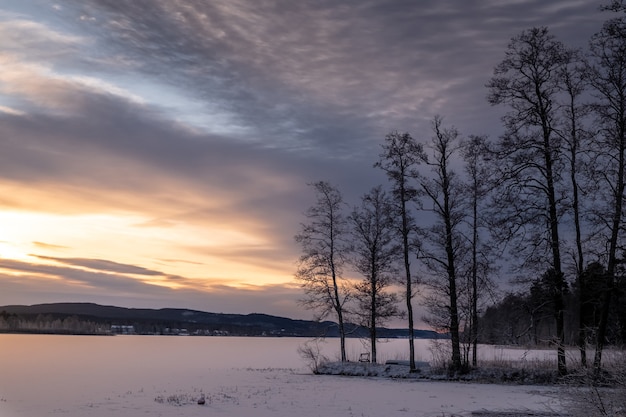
(399, 160)
(442, 243)
(573, 83)
(607, 77)
(324, 239)
(529, 157)
(375, 256)
(480, 265)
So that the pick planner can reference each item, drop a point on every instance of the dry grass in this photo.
(589, 394)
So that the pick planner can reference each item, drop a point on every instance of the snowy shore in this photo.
(278, 393)
(484, 374)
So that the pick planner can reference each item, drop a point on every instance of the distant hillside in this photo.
(89, 318)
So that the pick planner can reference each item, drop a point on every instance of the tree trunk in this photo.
(474, 313)
(612, 262)
(607, 47)
(373, 313)
(554, 233)
(409, 286)
(342, 329)
(454, 312)
(338, 303)
(582, 334)
(573, 91)
(556, 256)
(409, 308)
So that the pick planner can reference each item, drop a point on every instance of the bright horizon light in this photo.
(173, 250)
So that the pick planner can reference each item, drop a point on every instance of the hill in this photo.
(90, 318)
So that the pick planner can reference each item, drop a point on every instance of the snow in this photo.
(135, 376)
(277, 392)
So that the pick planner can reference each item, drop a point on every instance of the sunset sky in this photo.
(155, 153)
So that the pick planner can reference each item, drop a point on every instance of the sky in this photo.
(156, 153)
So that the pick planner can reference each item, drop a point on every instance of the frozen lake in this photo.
(187, 353)
(126, 375)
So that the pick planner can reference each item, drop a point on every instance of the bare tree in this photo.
(324, 241)
(474, 151)
(400, 157)
(573, 83)
(375, 256)
(443, 244)
(530, 206)
(607, 76)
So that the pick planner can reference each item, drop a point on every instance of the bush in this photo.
(312, 354)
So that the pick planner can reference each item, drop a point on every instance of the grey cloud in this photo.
(324, 78)
(124, 147)
(115, 133)
(280, 300)
(95, 280)
(104, 265)
(319, 77)
(307, 89)
(289, 69)
(34, 41)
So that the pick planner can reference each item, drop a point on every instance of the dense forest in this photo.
(526, 317)
(540, 209)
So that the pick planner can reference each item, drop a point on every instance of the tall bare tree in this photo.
(607, 76)
(324, 239)
(443, 245)
(375, 257)
(474, 151)
(573, 83)
(399, 160)
(530, 206)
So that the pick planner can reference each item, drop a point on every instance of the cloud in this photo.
(299, 73)
(24, 282)
(75, 276)
(180, 261)
(204, 121)
(103, 265)
(49, 246)
(35, 41)
(144, 164)
(305, 81)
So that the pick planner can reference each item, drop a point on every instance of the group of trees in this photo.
(526, 318)
(546, 198)
(379, 238)
(364, 239)
(50, 324)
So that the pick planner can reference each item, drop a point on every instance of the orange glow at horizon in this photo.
(195, 254)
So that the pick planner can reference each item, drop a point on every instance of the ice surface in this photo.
(136, 376)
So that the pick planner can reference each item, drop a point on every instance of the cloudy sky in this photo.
(156, 152)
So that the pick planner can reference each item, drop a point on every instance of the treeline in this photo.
(76, 324)
(543, 204)
(80, 325)
(526, 318)
(17, 323)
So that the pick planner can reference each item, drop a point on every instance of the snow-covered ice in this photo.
(135, 376)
